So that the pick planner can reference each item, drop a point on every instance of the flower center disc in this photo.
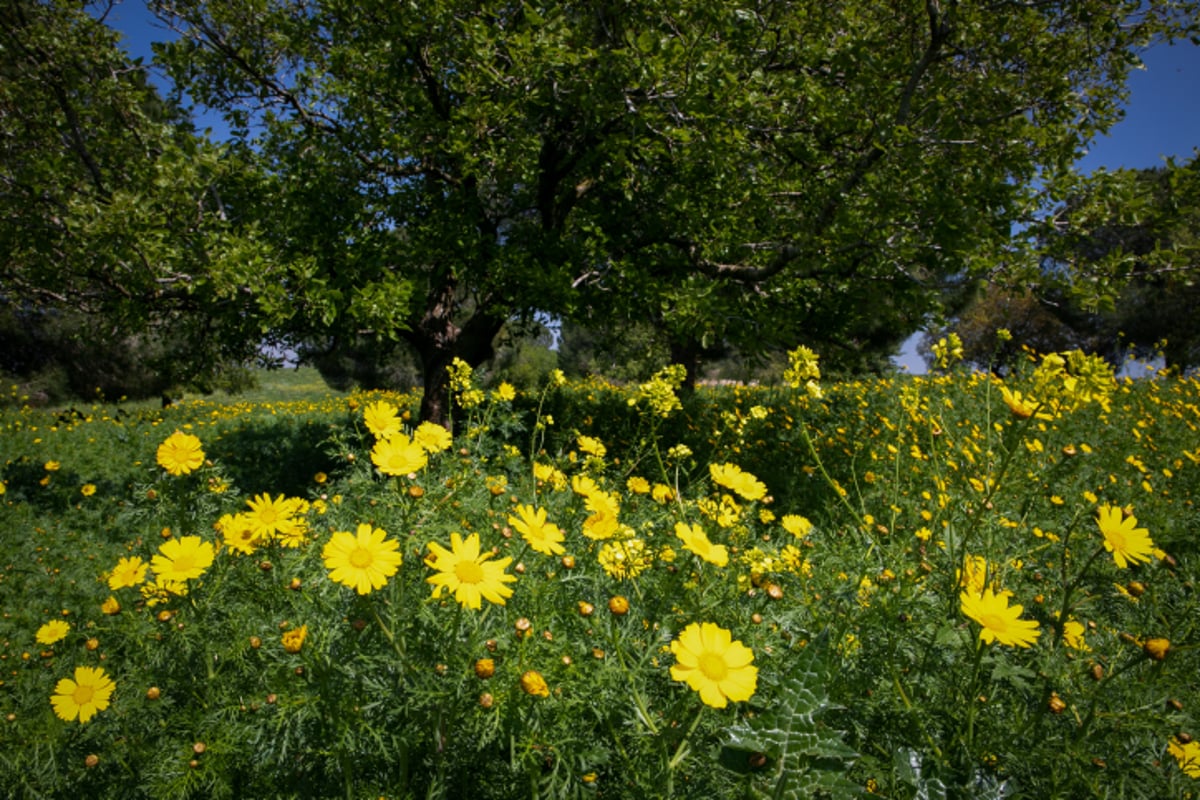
(83, 695)
(993, 622)
(713, 666)
(468, 572)
(183, 564)
(361, 558)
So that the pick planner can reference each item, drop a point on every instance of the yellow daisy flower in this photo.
(544, 537)
(734, 479)
(432, 438)
(293, 640)
(998, 620)
(1187, 756)
(696, 540)
(129, 571)
(180, 453)
(709, 661)
(467, 573)
(382, 419)
(363, 560)
(182, 559)
(84, 696)
(267, 515)
(398, 455)
(1122, 537)
(53, 631)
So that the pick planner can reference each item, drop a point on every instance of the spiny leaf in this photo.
(791, 751)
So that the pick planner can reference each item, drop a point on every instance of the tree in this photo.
(755, 174)
(1121, 262)
(110, 206)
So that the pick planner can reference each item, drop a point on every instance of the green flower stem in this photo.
(681, 752)
(977, 515)
(638, 701)
(972, 701)
(837, 490)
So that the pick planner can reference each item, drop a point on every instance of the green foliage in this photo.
(112, 206)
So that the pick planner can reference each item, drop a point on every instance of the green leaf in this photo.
(788, 749)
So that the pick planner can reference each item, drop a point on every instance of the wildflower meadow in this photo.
(945, 586)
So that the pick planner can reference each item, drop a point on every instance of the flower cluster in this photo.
(802, 371)
(659, 393)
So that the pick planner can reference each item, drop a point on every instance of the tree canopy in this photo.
(110, 205)
(1119, 272)
(747, 174)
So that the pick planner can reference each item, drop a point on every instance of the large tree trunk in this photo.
(438, 340)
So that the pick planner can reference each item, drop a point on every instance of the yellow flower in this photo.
(432, 438)
(1073, 636)
(542, 536)
(592, 446)
(268, 516)
(973, 575)
(398, 455)
(182, 559)
(532, 683)
(1021, 407)
(802, 370)
(293, 640)
(363, 560)
(1122, 537)
(998, 620)
(637, 485)
(238, 534)
(1187, 755)
(625, 558)
(84, 696)
(550, 475)
(661, 493)
(467, 573)
(709, 661)
(129, 571)
(382, 419)
(88, 489)
(696, 540)
(603, 522)
(180, 453)
(796, 525)
(506, 393)
(110, 606)
(733, 478)
(53, 466)
(53, 631)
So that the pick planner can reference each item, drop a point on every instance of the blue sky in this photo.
(1162, 116)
